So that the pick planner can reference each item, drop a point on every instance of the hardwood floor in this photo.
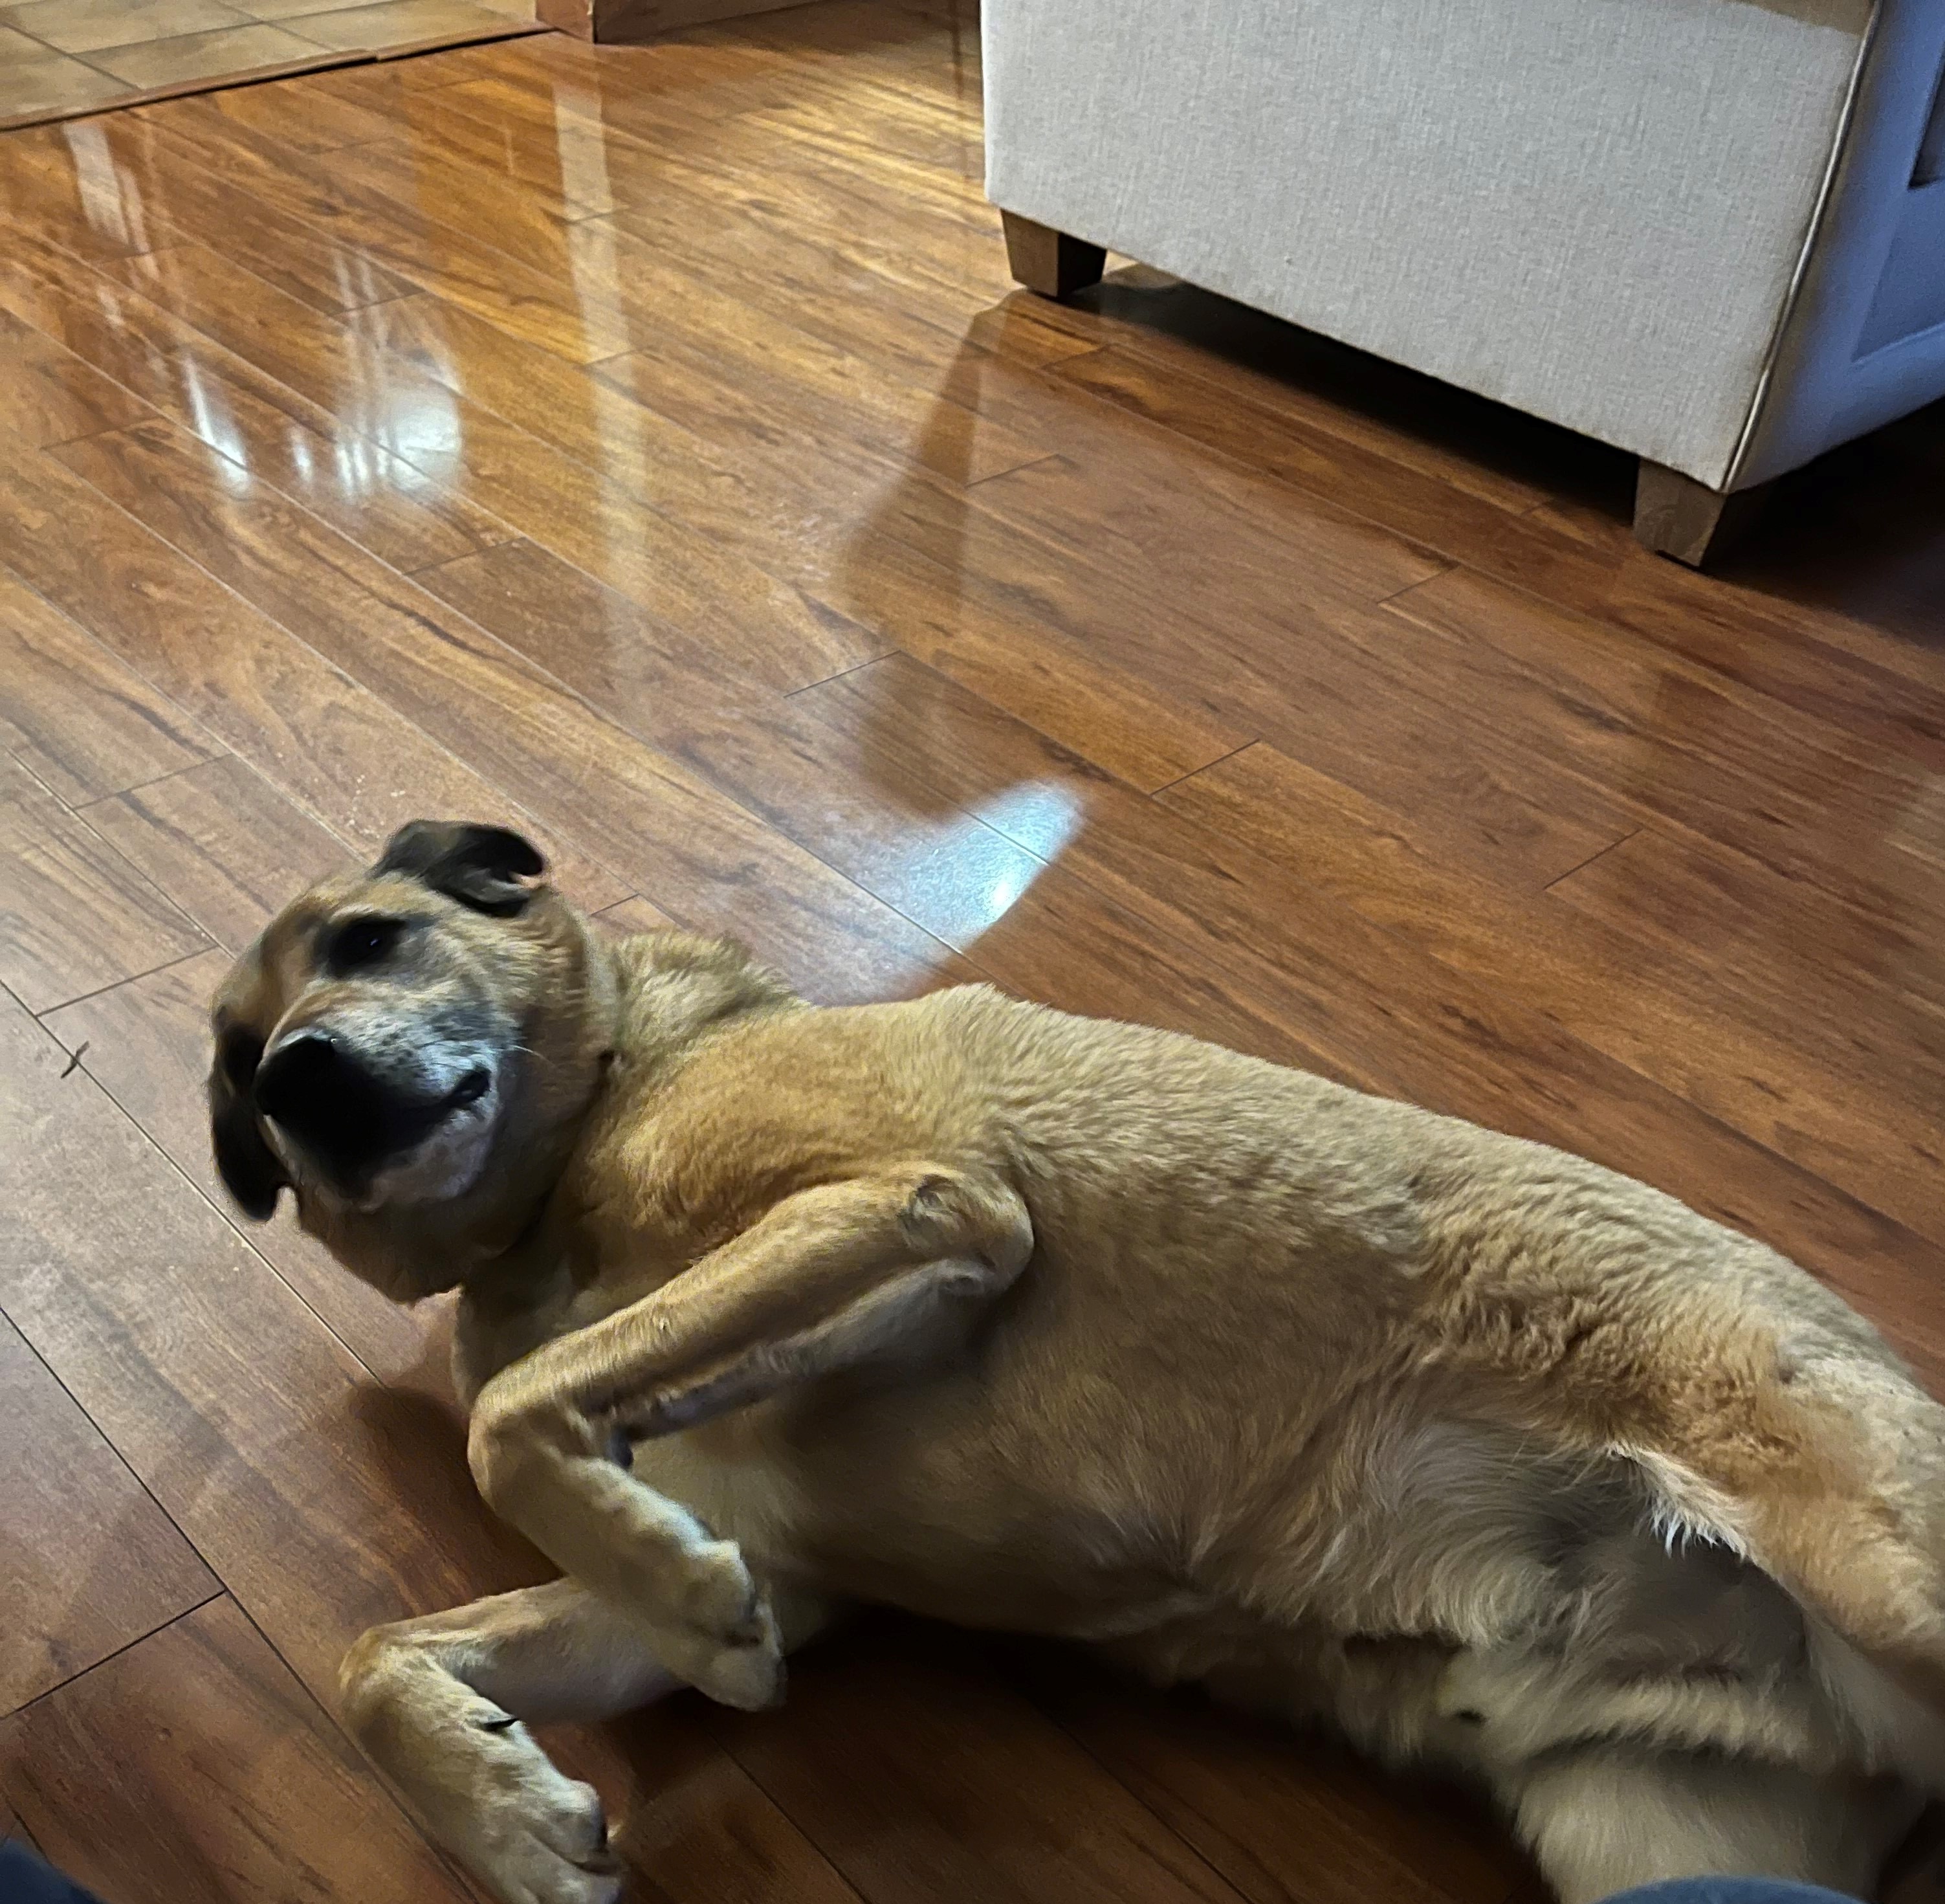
(647, 449)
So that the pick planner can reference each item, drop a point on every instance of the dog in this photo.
(1488, 1458)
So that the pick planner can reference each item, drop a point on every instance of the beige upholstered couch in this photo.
(1710, 232)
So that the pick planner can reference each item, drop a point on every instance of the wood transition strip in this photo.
(324, 61)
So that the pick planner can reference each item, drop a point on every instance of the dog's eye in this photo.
(360, 943)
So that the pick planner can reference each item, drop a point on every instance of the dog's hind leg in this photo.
(1605, 1819)
(441, 1704)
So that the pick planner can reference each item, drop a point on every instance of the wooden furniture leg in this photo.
(1049, 261)
(1675, 515)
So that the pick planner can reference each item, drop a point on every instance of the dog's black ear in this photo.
(248, 1165)
(480, 866)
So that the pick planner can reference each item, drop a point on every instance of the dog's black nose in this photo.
(349, 1113)
(318, 1091)
(297, 1072)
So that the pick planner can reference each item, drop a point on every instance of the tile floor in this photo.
(57, 55)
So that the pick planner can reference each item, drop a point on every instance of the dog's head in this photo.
(390, 1032)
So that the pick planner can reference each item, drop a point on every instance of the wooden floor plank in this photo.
(1329, 689)
(449, 439)
(75, 916)
(1680, 739)
(1769, 608)
(938, 865)
(783, 171)
(134, 174)
(565, 168)
(581, 321)
(376, 498)
(699, 468)
(222, 844)
(48, 396)
(692, 852)
(195, 1766)
(992, 559)
(690, 1824)
(1315, 412)
(1843, 1094)
(429, 183)
(633, 915)
(1572, 551)
(70, 196)
(911, 1811)
(92, 1563)
(1282, 1819)
(84, 723)
(1761, 931)
(304, 117)
(597, 522)
(645, 447)
(339, 751)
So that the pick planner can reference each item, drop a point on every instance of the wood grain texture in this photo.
(652, 818)
(422, 250)
(91, 1562)
(1677, 738)
(342, 752)
(348, 478)
(75, 916)
(692, 1823)
(938, 865)
(905, 1811)
(84, 723)
(222, 844)
(134, 173)
(46, 395)
(1283, 1819)
(54, 201)
(195, 1766)
(647, 449)
(1759, 928)
(1826, 1094)
(633, 915)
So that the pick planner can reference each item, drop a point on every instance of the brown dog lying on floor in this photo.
(1481, 1453)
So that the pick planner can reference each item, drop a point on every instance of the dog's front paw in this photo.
(719, 1598)
(534, 1835)
(726, 1643)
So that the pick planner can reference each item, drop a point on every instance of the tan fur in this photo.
(1476, 1450)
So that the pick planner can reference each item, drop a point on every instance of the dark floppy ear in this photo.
(248, 1165)
(479, 866)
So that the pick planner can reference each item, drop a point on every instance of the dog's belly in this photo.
(879, 1497)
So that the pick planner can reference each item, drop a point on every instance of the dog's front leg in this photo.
(833, 1277)
(441, 1704)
